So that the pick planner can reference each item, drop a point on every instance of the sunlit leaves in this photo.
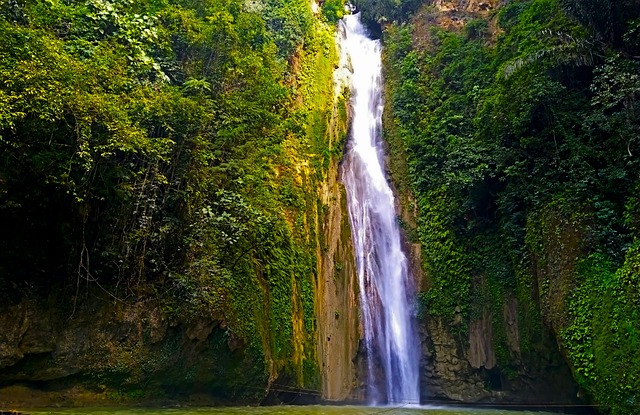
(496, 147)
(617, 83)
(142, 152)
(546, 116)
(333, 10)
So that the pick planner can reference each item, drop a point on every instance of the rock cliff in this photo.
(279, 335)
(506, 351)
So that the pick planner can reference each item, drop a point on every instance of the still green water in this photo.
(291, 410)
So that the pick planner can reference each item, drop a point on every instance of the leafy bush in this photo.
(142, 144)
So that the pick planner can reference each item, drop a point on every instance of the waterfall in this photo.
(386, 288)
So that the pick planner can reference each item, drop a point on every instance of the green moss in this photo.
(180, 148)
(513, 148)
(444, 258)
(602, 342)
(529, 319)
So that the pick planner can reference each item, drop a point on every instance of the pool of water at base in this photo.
(290, 410)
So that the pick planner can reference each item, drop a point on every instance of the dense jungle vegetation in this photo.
(169, 150)
(521, 131)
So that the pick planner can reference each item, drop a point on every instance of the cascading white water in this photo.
(386, 288)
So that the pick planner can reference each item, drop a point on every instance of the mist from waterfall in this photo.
(386, 287)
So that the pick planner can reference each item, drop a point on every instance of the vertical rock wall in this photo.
(337, 305)
(507, 351)
(336, 290)
(106, 352)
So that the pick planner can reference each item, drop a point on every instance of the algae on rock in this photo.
(173, 214)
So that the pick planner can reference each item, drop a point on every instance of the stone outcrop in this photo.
(92, 350)
(463, 367)
(336, 290)
(493, 356)
(337, 305)
(105, 353)
(446, 372)
(480, 353)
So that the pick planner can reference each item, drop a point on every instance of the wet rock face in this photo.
(446, 371)
(463, 367)
(466, 5)
(506, 352)
(480, 353)
(336, 300)
(103, 353)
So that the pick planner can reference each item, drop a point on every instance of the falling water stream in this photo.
(386, 288)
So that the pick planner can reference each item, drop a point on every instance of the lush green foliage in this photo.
(151, 148)
(505, 132)
(377, 13)
(333, 10)
(603, 339)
